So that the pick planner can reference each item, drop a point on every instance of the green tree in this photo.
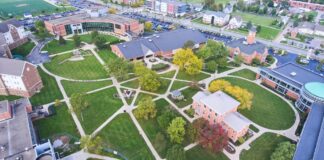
(100, 41)
(285, 150)
(176, 130)
(93, 35)
(258, 28)
(176, 152)
(92, 145)
(148, 79)
(61, 40)
(238, 60)
(192, 133)
(76, 40)
(78, 103)
(119, 68)
(146, 108)
(160, 143)
(57, 102)
(249, 25)
(216, 51)
(211, 66)
(148, 26)
(187, 61)
(165, 119)
(189, 44)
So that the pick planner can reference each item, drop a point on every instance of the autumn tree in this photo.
(148, 79)
(213, 137)
(176, 130)
(119, 68)
(242, 95)
(176, 152)
(148, 26)
(192, 132)
(92, 145)
(187, 61)
(146, 108)
(285, 150)
(112, 11)
(57, 102)
(78, 103)
(219, 84)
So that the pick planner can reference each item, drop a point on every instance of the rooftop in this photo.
(217, 14)
(247, 48)
(4, 106)
(236, 121)
(219, 101)
(4, 25)
(12, 66)
(315, 88)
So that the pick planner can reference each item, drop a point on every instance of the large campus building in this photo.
(12, 35)
(19, 78)
(295, 82)
(220, 108)
(164, 44)
(307, 5)
(167, 7)
(80, 23)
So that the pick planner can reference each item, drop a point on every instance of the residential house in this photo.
(235, 22)
(248, 48)
(216, 18)
(302, 85)
(220, 108)
(19, 78)
(228, 9)
(164, 44)
(311, 28)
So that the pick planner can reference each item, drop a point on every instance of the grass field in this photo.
(184, 76)
(255, 19)
(203, 154)
(121, 135)
(87, 38)
(265, 32)
(245, 73)
(169, 74)
(178, 85)
(48, 93)
(262, 147)
(188, 94)
(71, 87)
(54, 47)
(131, 84)
(86, 69)
(268, 110)
(59, 123)
(106, 55)
(24, 49)
(102, 105)
(142, 95)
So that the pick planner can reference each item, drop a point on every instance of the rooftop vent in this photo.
(124, 45)
(150, 40)
(157, 36)
(293, 74)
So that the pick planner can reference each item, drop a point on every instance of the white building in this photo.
(216, 18)
(235, 22)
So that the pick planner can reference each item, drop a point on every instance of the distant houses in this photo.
(215, 18)
(235, 22)
(310, 28)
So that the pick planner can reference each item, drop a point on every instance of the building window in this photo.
(117, 26)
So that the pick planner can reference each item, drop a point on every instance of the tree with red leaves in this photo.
(213, 137)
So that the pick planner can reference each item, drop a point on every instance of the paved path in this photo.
(81, 155)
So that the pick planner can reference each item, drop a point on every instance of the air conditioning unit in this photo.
(293, 74)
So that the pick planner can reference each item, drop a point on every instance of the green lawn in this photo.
(245, 73)
(24, 49)
(106, 55)
(223, 69)
(255, 19)
(131, 84)
(87, 69)
(122, 135)
(9, 98)
(164, 86)
(152, 128)
(188, 94)
(87, 38)
(60, 123)
(48, 93)
(102, 105)
(54, 47)
(265, 32)
(182, 75)
(202, 154)
(71, 87)
(178, 85)
(169, 74)
(268, 110)
(262, 147)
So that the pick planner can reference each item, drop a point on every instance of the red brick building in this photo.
(19, 78)
(307, 5)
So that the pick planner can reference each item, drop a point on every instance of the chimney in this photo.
(251, 36)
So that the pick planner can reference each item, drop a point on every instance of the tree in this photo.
(41, 31)
(61, 40)
(93, 145)
(146, 108)
(100, 41)
(57, 102)
(258, 28)
(189, 44)
(192, 132)
(160, 142)
(148, 26)
(249, 25)
(256, 61)
(112, 11)
(213, 137)
(119, 68)
(78, 103)
(165, 119)
(93, 35)
(296, 23)
(176, 130)
(238, 60)
(211, 66)
(285, 150)
(148, 79)
(77, 40)
(176, 152)
(217, 85)
(187, 61)
(242, 95)
(216, 51)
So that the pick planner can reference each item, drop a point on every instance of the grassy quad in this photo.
(178, 84)
(268, 110)
(121, 135)
(142, 95)
(71, 87)
(106, 55)
(131, 84)
(87, 69)
(24, 49)
(54, 47)
(60, 123)
(245, 73)
(263, 147)
(188, 94)
(102, 105)
(87, 38)
(200, 153)
(169, 74)
(184, 76)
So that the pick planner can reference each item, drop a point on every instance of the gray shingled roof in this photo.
(308, 25)
(4, 25)
(311, 143)
(245, 48)
(166, 41)
(11, 66)
(217, 14)
(4, 105)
